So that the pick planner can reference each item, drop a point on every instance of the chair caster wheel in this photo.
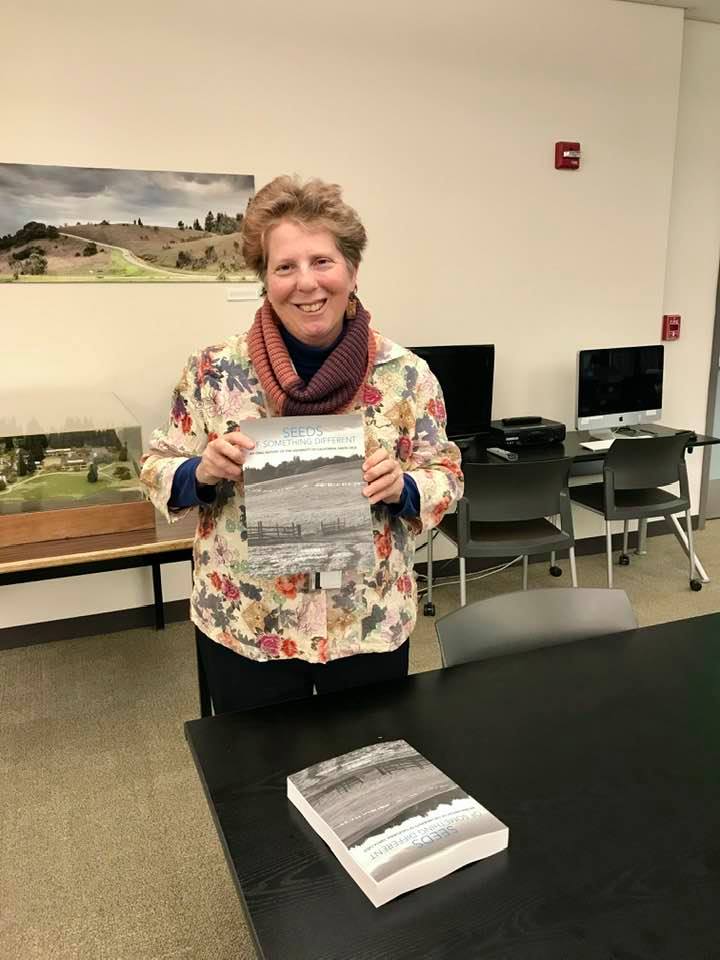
(555, 571)
(624, 560)
(695, 585)
(429, 610)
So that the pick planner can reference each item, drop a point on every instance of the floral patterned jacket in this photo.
(371, 612)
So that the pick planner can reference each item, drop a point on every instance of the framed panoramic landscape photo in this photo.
(91, 224)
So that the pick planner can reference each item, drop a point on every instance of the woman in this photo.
(309, 351)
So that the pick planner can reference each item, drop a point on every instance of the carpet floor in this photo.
(107, 847)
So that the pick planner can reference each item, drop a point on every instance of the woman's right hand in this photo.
(223, 458)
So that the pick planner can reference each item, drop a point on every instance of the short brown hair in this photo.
(314, 204)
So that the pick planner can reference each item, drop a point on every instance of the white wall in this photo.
(440, 123)
(694, 238)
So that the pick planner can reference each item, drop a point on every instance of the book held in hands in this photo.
(304, 504)
(392, 819)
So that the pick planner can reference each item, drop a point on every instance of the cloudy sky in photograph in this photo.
(59, 195)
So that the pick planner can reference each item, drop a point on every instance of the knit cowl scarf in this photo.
(336, 384)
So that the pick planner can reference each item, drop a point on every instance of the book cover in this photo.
(393, 819)
(303, 496)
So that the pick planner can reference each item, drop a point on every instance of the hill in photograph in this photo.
(121, 225)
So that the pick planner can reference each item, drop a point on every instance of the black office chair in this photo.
(515, 622)
(503, 514)
(633, 473)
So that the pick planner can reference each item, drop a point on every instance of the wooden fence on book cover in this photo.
(262, 532)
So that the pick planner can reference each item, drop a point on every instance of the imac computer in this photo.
(618, 387)
(465, 373)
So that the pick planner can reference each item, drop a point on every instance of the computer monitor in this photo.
(619, 386)
(465, 373)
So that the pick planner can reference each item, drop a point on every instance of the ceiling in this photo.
(708, 10)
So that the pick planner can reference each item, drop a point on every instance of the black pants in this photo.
(238, 683)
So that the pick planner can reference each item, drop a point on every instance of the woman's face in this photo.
(308, 282)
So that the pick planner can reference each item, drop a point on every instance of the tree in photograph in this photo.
(35, 265)
(92, 474)
(3, 483)
(90, 249)
(122, 473)
(33, 230)
(224, 224)
(181, 225)
(184, 259)
(210, 254)
(27, 252)
(140, 223)
(196, 224)
(209, 222)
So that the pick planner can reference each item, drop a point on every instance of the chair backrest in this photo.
(650, 462)
(523, 490)
(515, 622)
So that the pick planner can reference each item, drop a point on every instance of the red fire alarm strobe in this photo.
(567, 155)
(671, 326)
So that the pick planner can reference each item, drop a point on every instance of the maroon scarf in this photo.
(336, 384)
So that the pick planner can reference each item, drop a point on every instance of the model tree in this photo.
(92, 474)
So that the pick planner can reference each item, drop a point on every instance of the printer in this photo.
(512, 432)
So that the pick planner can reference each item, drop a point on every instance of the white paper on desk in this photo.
(606, 444)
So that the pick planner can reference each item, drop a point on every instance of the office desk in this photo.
(602, 757)
(476, 452)
(51, 559)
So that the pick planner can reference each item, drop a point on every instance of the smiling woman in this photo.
(308, 282)
(310, 351)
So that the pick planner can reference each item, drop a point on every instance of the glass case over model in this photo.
(69, 466)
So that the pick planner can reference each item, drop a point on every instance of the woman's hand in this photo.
(223, 458)
(384, 478)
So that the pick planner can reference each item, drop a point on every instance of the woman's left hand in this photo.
(384, 478)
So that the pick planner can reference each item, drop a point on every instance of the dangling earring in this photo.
(351, 310)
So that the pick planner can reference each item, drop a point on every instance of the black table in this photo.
(475, 451)
(584, 461)
(603, 758)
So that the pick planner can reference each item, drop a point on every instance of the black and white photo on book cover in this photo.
(393, 819)
(303, 495)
